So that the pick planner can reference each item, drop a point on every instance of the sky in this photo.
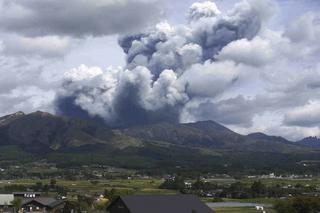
(252, 65)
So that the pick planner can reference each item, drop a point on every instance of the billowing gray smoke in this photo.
(168, 68)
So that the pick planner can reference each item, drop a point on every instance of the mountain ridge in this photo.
(312, 142)
(208, 133)
(69, 141)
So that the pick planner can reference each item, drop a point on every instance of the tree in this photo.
(39, 186)
(298, 205)
(71, 206)
(238, 190)
(176, 183)
(237, 186)
(86, 202)
(110, 194)
(202, 185)
(258, 188)
(17, 202)
(62, 190)
(53, 183)
(95, 182)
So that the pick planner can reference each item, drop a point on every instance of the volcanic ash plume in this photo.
(168, 68)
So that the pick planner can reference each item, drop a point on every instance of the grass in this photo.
(151, 186)
(240, 210)
(126, 186)
(268, 181)
(250, 200)
(253, 200)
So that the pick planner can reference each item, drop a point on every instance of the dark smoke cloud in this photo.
(167, 68)
(162, 48)
(66, 106)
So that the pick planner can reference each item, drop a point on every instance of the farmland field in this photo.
(240, 210)
(151, 186)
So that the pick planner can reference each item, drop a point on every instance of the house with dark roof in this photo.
(158, 204)
(42, 204)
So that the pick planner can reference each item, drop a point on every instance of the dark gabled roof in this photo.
(44, 201)
(165, 204)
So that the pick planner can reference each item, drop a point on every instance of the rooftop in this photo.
(6, 199)
(165, 203)
(45, 201)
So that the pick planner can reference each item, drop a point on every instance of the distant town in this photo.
(43, 187)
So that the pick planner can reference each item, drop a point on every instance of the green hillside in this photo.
(205, 146)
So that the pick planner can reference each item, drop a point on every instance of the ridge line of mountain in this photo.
(45, 129)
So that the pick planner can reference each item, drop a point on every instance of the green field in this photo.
(129, 186)
(151, 186)
(240, 210)
(270, 181)
(139, 186)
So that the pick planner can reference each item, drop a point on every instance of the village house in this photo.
(30, 202)
(6, 203)
(158, 204)
(42, 205)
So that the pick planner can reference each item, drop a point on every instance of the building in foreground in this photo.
(30, 202)
(6, 202)
(158, 204)
(42, 204)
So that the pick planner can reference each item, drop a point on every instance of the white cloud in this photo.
(27, 99)
(203, 10)
(306, 116)
(48, 46)
(257, 52)
(209, 79)
(305, 29)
